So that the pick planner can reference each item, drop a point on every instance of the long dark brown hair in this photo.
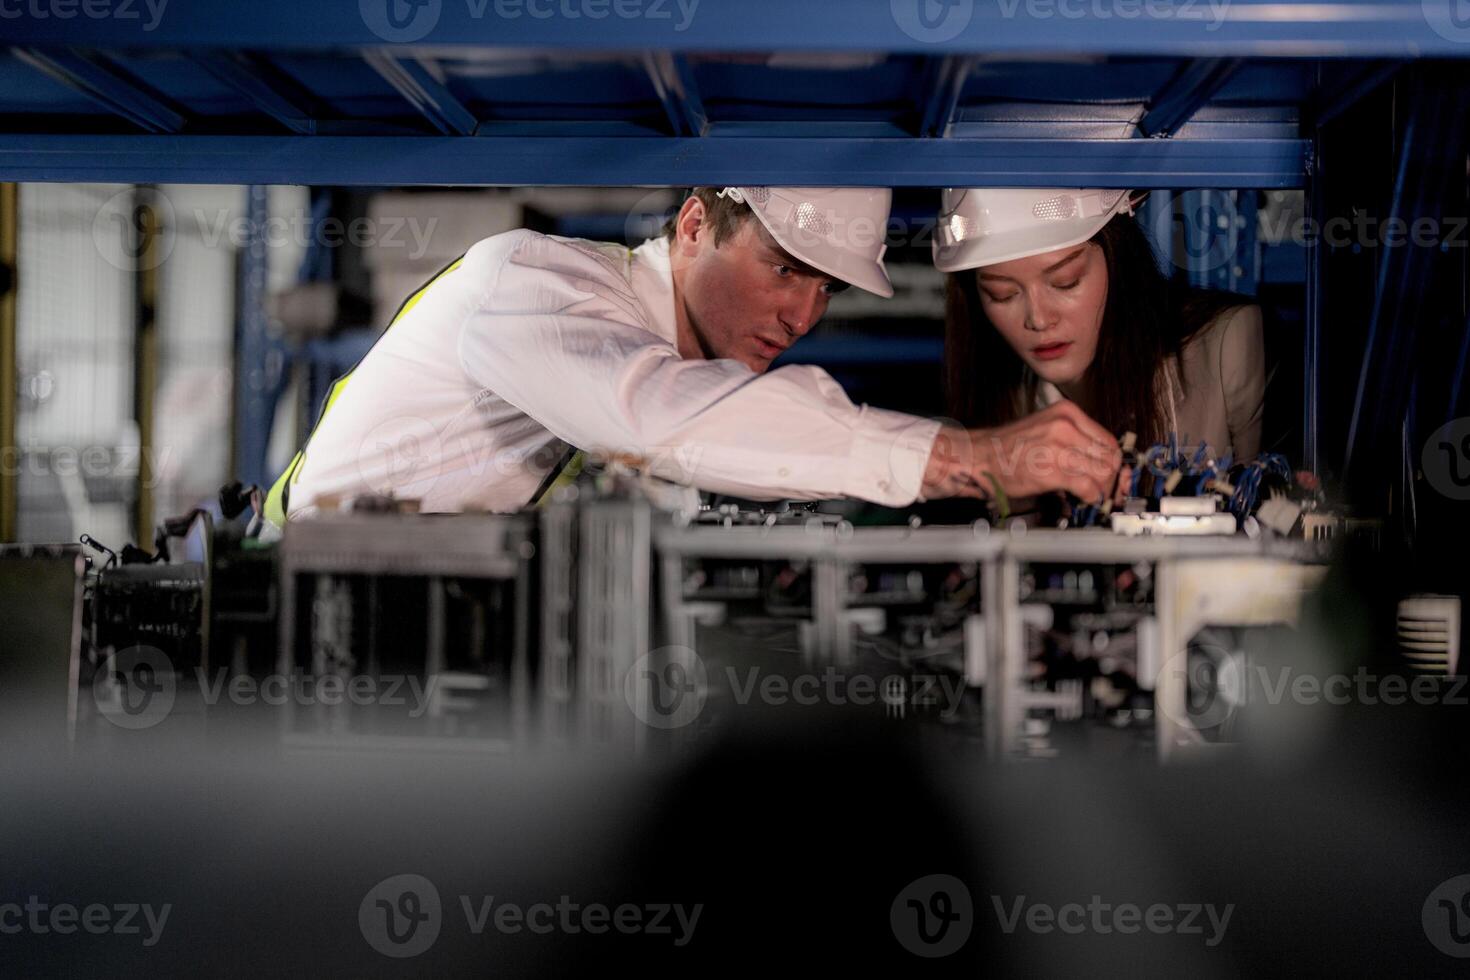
(1146, 320)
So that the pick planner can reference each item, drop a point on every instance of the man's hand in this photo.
(1057, 448)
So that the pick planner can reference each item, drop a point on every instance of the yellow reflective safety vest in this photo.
(278, 500)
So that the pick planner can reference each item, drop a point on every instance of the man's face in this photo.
(748, 299)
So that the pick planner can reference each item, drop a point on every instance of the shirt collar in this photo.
(653, 284)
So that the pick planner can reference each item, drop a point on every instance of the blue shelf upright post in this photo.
(253, 350)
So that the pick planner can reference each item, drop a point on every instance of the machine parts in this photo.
(535, 622)
(1176, 515)
(442, 598)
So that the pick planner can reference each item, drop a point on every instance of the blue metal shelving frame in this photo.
(1192, 95)
(403, 161)
(1356, 28)
(1159, 93)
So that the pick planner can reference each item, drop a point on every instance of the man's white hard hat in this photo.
(986, 225)
(836, 230)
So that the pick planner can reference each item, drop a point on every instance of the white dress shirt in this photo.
(535, 343)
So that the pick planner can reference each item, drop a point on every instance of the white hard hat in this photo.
(836, 230)
(985, 225)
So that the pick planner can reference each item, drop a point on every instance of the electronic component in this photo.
(1176, 515)
(1159, 523)
(1279, 514)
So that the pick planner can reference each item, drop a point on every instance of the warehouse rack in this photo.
(1166, 94)
(1171, 93)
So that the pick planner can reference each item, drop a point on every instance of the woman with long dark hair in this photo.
(1056, 294)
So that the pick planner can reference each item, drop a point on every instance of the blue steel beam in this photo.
(418, 86)
(655, 161)
(673, 80)
(92, 77)
(261, 85)
(946, 80)
(1178, 101)
(1371, 353)
(1205, 28)
(1312, 314)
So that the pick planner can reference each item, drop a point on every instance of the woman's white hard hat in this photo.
(986, 225)
(837, 230)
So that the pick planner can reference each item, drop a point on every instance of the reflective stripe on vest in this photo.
(278, 501)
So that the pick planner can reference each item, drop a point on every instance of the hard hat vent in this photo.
(808, 218)
(961, 227)
(1056, 208)
(757, 195)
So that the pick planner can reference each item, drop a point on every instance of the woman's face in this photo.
(1049, 308)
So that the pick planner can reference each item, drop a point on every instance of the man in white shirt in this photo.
(531, 344)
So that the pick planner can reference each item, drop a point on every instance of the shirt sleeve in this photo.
(560, 335)
(1243, 379)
